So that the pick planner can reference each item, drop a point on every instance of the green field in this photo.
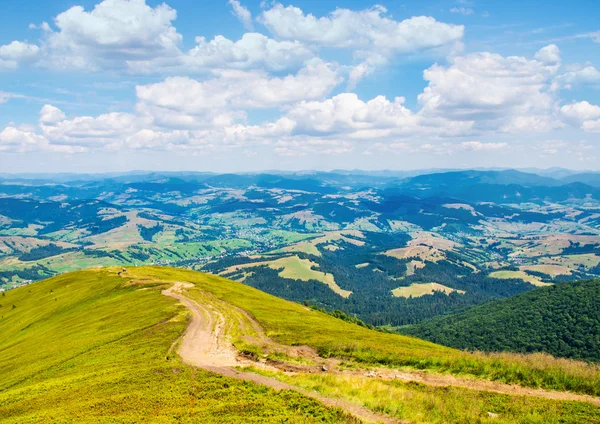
(93, 346)
(293, 324)
(89, 347)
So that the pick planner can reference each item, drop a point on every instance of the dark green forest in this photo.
(562, 320)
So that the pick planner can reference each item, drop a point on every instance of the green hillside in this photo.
(88, 347)
(562, 320)
(95, 346)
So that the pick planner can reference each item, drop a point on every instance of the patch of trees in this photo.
(372, 300)
(105, 254)
(34, 273)
(579, 249)
(562, 320)
(43, 252)
(105, 225)
(148, 232)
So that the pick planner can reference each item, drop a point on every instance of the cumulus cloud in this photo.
(491, 91)
(50, 114)
(549, 54)
(191, 103)
(16, 53)
(242, 13)
(346, 113)
(87, 131)
(252, 51)
(130, 35)
(374, 37)
(17, 140)
(364, 29)
(582, 114)
(114, 32)
(578, 75)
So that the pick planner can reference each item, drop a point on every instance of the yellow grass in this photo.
(520, 275)
(552, 270)
(461, 206)
(296, 269)
(311, 246)
(423, 289)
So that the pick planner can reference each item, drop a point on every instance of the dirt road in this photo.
(205, 344)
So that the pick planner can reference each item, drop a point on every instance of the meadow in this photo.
(95, 346)
(89, 347)
(295, 325)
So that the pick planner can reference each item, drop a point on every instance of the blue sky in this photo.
(116, 85)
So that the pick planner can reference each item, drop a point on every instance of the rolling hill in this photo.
(108, 345)
(562, 320)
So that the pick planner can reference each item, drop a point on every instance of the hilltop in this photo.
(106, 345)
(562, 320)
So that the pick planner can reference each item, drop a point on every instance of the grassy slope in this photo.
(293, 324)
(563, 320)
(85, 347)
(97, 354)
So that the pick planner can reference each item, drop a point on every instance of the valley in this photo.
(333, 240)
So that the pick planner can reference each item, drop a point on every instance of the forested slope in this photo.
(563, 320)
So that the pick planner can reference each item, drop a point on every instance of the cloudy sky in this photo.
(228, 85)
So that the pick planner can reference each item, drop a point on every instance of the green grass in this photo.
(90, 347)
(87, 347)
(419, 403)
(293, 324)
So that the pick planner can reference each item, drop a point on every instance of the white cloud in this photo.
(549, 54)
(582, 114)
(252, 51)
(16, 140)
(87, 131)
(364, 29)
(5, 97)
(374, 37)
(346, 113)
(182, 101)
(50, 114)
(19, 51)
(462, 10)
(478, 146)
(578, 75)
(16, 53)
(113, 32)
(242, 13)
(491, 91)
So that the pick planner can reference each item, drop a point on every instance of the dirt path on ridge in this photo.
(205, 344)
